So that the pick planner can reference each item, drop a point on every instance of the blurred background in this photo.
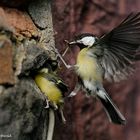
(86, 119)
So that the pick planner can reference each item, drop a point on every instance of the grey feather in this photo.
(120, 49)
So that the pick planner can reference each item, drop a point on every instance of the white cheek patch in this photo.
(88, 41)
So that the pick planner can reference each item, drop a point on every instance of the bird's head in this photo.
(84, 40)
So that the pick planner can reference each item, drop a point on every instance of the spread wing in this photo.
(120, 48)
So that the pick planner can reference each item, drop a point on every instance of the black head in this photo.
(84, 40)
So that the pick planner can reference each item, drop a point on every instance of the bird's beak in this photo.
(70, 43)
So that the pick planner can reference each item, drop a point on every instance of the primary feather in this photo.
(120, 48)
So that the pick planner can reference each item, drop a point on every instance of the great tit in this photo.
(53, 87)
(109, 57)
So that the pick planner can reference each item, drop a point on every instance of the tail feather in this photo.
(111, 109)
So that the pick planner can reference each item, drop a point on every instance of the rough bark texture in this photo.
(86, 119)
(22, 116)
(23, 48)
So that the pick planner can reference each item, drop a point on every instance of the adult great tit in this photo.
(53, 87)
(108, 57)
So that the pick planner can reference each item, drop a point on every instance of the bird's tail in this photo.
(112, 111)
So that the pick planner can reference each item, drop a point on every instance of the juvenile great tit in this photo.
(109, 57)
(53, 87)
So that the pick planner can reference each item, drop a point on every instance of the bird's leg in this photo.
(62, 115)
(54, 105)
(66, 41)
(63, 61)
(75, 91)
(65, 51)
(47, 103)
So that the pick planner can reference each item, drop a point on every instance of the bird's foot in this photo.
(62, 116)
(72, 94)
(47, 104)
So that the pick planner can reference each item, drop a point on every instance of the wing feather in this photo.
(121, 49)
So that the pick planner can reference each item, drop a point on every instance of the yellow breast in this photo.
(49, 89)
(87, 66)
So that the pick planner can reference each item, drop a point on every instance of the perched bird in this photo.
(52, 86)
(109, 57)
